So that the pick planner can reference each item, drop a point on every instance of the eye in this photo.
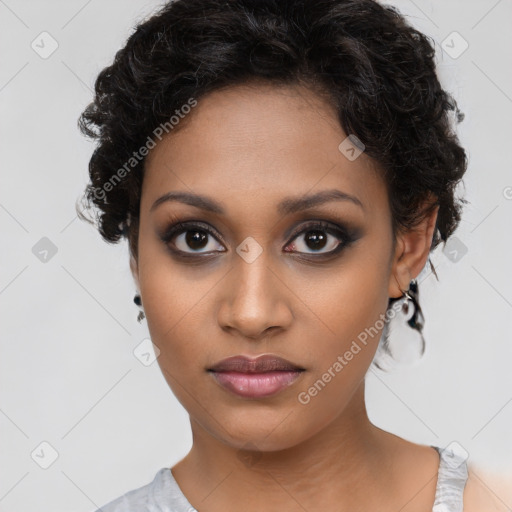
(319, 238)
(192, 239)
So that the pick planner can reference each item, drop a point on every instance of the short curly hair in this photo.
(363, 57)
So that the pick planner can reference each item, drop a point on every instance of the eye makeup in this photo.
(319, 230)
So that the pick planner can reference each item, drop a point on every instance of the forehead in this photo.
(249, 142)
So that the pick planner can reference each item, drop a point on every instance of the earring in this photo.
(396, 342)
(416, 321)
(138, 302)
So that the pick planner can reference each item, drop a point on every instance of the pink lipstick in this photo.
(263, 376)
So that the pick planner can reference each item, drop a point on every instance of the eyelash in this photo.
(339, 232)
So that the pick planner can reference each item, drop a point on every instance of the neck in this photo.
(341, 461)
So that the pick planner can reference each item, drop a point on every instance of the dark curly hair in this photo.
(363, 57)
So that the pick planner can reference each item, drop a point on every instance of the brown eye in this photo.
(319, 238)
(195, 239)
(192, 238)
(315, 241)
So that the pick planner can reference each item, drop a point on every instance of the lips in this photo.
(261, 364)
(255, 378)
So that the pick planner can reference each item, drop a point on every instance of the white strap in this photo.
(451, 480)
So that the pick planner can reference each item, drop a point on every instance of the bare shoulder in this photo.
(486, 492)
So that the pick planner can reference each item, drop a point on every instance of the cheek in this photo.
(347, 334)
(173, 303)
(345, 303)
(343, 323)
(176, 312)
(169, 290)
(174, 323)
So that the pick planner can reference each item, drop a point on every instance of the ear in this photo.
(411, 254)
(135, 271)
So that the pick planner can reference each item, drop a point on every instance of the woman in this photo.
(281, 171)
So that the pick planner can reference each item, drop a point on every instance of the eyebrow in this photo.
(285, 207)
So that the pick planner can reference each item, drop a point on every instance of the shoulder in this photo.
(485, 492)
(131, 501)
(142, 499)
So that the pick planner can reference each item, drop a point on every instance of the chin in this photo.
(269, 432)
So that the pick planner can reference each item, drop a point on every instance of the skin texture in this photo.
(248, 147)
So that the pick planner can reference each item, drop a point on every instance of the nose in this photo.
(255, 300)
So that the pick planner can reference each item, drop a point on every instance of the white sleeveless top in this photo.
(164, 495)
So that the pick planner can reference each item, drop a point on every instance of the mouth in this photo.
(261, 377)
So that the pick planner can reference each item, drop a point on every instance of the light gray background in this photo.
(68, 374)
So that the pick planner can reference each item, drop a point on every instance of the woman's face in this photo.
(261, 284)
